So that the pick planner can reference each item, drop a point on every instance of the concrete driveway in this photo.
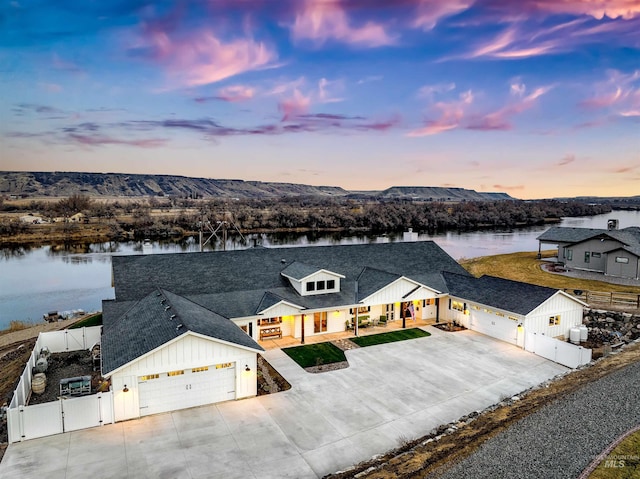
(324, 423)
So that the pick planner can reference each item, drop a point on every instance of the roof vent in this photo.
(166, 308)
(172, 316)
(163, 300)
(283, 260)
(178, 326)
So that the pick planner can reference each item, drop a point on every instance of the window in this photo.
(320, 285)
(148, 377)
(554, 320)
(595, 255)
(320, 322)
(476, 307)
(622, 259)
(457, 305)
(428, 302)
(498, 313)
(224, 365)
(569, 254)
(331, 284)
(513, 318)
(175, 373)
(200, 370)
(264, 321)
(587, 256)
(311, 286)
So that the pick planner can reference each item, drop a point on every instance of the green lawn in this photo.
(390, 337)
(95, 320)
(622, 463)
(315, 354)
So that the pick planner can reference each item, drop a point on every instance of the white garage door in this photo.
(186, 388)
(498, 327)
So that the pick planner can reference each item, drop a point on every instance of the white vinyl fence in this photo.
(567, 354)
(66, 414)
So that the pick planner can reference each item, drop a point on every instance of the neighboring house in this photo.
(612, 252)
(175, 314)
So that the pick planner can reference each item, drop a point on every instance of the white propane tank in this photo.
(41, 365)
(584, 333)
(574, 335)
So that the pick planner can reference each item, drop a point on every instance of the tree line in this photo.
(158, 217)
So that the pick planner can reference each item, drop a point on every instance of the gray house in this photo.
(612, 252)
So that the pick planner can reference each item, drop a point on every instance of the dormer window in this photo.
(310, 280)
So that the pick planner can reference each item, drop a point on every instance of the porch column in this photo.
(302, 330)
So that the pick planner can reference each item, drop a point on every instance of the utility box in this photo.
(78, 386)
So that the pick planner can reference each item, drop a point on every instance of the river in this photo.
(35, 280)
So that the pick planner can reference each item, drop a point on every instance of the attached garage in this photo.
(499, 327)
(167, 353)
(183, 389)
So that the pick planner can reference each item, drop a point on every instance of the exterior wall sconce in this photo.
(125, 389)
(246, 368)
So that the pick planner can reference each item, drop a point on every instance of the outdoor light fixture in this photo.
(125, 389)
(247, 368)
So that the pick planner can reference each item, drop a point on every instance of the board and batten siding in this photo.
(396, 292)
(569, 310)
(187, 352)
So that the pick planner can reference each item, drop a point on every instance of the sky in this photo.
(535, 98)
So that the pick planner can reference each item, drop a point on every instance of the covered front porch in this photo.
(288, 341)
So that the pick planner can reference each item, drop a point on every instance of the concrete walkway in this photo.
(324, 423)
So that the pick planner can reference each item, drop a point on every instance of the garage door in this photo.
(186, 388)
(498, 327)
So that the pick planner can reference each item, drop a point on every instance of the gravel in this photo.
(561, 439)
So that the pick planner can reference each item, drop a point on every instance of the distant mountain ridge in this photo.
(121, 184)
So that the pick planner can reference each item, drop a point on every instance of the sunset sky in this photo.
(536, 98)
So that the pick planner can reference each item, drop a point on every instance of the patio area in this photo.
(288, 341)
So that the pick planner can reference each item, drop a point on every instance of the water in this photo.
(34, 281)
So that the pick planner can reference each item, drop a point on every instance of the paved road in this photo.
(560, 440)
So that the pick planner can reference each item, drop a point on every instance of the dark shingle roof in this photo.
(372, 280)
(155, 320)
(218, 272)
(628, 236)
(299, 270)
(513, 296)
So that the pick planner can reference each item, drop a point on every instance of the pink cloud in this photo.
(236, 93)
(456, 115)
(598, 9)
(500, 119)
(200, 58)
(324, 20)
(451, 115)
(620, 92)
(294, 106)
(430, 12)
(508, 188)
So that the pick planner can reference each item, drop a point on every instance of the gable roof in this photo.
(505, 294)
(233, 283)
(299, 271)
(628, 236)
(633, 250)
(160, 317)
(371, 280)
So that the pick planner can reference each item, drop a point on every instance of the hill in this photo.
(39, 184)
